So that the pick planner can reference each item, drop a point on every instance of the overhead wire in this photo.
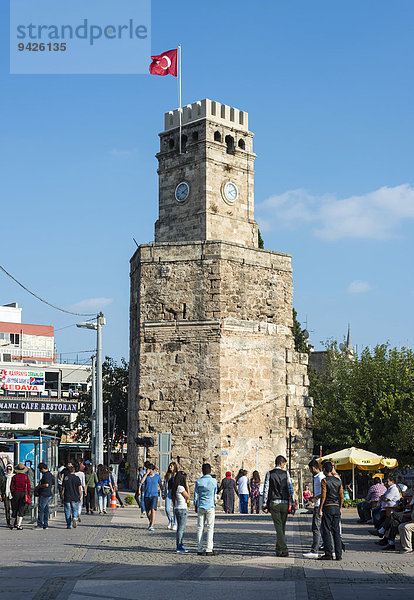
(70, 312)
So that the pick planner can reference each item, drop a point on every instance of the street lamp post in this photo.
(93, 415)
(100, 321)
(99, 392)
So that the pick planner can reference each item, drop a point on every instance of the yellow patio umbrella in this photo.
(349, 458)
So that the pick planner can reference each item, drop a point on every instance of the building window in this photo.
(171, 143)
(194, 136)
(230, 144)
(217, 136)
(4, 417)
(52, 380)
(242, 145)
(17, 418)
(15, 339)
(184, 144)
(56, 419)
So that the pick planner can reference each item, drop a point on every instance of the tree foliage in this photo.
(115, 395)
(367, 401)
(300, 335)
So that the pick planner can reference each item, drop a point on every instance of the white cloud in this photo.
(358, 287)
(375, 215)
(91, 304)
(121, 152)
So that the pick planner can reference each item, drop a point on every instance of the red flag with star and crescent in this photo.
(165, 63)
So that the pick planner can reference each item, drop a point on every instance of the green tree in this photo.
(260, 240)
(365, 401)
(300, 335)
(115, 395)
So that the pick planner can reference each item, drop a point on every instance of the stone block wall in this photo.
(212, 356)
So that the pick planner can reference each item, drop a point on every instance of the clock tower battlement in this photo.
(206, 192)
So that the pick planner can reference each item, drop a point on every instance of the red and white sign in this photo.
(164, 64)
(17, 380)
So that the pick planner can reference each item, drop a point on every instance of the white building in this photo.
(21, 342)
(27, 350)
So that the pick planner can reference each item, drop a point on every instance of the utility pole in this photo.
(100, 321)
(93, 415)
(109, 439)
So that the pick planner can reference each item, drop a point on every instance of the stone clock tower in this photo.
(206, 193)
(214, 375)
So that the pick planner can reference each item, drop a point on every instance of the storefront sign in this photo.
(26, 405)
(17, 380)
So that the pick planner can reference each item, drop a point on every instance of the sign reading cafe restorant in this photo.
(28, 405)
(17, 380)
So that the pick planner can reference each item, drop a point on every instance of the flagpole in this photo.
(179, 92)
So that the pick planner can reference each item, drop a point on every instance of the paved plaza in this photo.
(114, 557)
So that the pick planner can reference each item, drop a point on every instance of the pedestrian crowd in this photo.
(278, 499)
(78, 486)
(389, 507)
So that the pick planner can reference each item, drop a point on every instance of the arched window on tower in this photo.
(171, 143)
(194, 136)
(230, 144)
(242, 145)
(184, 144)
(217, 136)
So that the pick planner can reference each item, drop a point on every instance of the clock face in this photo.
(231, 193)
(181, 191)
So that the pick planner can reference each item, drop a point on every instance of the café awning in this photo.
(349, 458)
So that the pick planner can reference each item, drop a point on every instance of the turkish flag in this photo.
(165, 63)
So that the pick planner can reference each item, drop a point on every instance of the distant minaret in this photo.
(349, 349)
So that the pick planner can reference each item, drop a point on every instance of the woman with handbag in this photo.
(20, 490)
(103, 488)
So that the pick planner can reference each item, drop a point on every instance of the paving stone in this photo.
(75, 565)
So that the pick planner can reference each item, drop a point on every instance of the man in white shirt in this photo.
(81, 476)
(401, 485)
(316, 499)
(243, 490)
(391, 498)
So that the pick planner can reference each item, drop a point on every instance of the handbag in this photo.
(106, 489)
(27, 499)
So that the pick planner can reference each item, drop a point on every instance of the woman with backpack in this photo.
(103, 488)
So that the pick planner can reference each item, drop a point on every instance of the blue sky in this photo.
(329, 91)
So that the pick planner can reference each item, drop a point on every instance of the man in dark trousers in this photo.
(45, 491)
(71, 494)
(277, 495)
(332, 498)
(316, 499)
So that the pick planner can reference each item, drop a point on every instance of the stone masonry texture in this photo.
(212, 357)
